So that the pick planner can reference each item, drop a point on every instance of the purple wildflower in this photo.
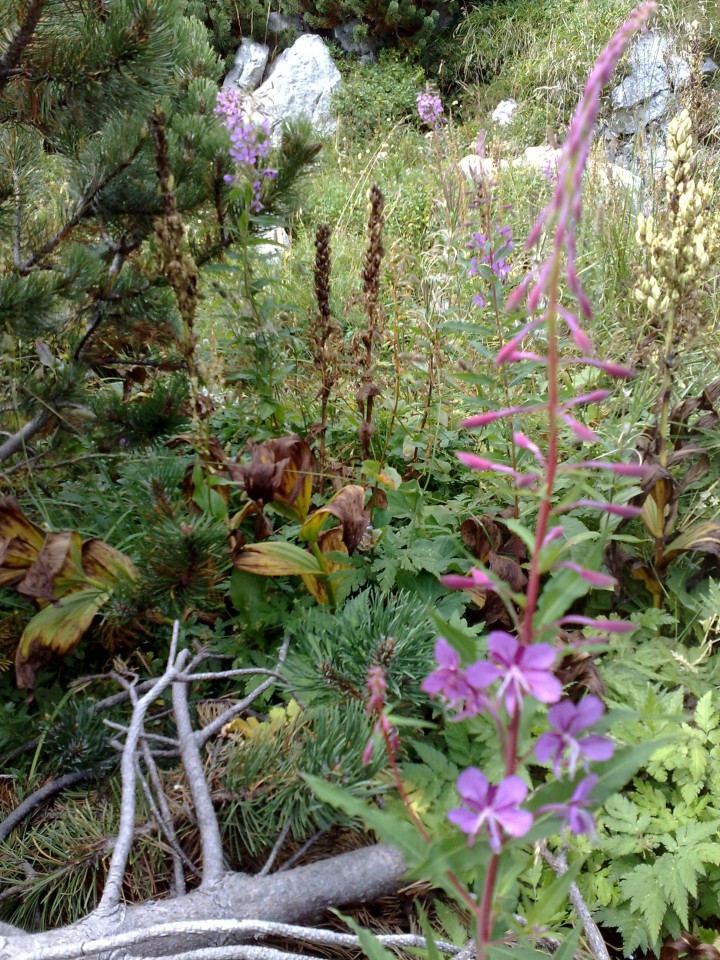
(461, 689)
(590, 576)
(606, 626)
(526, 670)
(476, 580)
(430, 109)
(492, 254)
(494, 808)
(568, 719)
(577, 819)
(249, 142)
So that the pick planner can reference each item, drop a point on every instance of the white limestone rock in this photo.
(250, 61)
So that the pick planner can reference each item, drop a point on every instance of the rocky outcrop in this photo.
(250, 62)
(299, 82)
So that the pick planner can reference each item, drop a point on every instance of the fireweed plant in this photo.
(518, 672)
(249, 144)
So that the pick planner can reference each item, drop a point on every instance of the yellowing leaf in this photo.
(347, 506)
(276, 559)
(703, 536)
(57, 629)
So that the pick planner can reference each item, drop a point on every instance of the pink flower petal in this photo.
(591, 576)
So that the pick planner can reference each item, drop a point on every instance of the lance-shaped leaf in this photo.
(55, 631)
(277, 559)
(20, 542)
(104, 565)
(347, 506)
(703, 536)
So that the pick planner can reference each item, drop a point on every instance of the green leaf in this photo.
(641, 886)
(458, 635)
(620, 770)
(560, 592)
(553, 897)
(370, 944)
(520, 530)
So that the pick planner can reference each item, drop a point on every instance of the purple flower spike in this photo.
(493, 808)
(568, 719)
(617, 509)
(577, 819)
(377, 688)
(595, 396)
(520, 440)
(526, 670)
(430, 109)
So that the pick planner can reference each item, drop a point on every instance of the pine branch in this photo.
(82, 208)
(40, 796)
(202, 736)
(19, 42)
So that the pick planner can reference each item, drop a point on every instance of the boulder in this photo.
(503, 112)
(647, 94)
(475, 167)
(543, 159)
(344, 35)
(299, 83)
(250, 61)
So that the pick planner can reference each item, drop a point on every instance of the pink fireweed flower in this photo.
(480, 463)
(617, 509)
(460, 689)
(582, 341)
(525, 443)
(568, 719)
(511, 346)
(430, 109)
(579, 429)
(577, 819)
(616, 370)
(590, 576)
(553, 534)
(526, 670)
(492, 808)
(595, 396)
(383, 728)
(605, 626)
(377, 688)
(477, 579)
(565, 208)
(483, 419)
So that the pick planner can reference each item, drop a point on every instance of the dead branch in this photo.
(39, 796)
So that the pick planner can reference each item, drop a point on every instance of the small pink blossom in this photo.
(526, 670)
(622, 469)
(377, 687)
(492, 808)
(579, 429)
(577, 818)
(617, 509)
(520, 440)
(568, 719)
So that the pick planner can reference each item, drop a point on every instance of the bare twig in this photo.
(212, 853)
(277, 847)
(238, 952)
(18, 440)
(202, 736)
(594, 937)
(40, 796)
(116, 871)
(302, 851)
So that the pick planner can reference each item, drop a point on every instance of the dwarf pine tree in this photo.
(112, 166)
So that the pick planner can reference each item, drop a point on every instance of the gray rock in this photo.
(299, 83)
(250, 61)
(344, 34)
(278, 23)
(503, 112)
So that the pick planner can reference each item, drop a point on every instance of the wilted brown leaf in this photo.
(280, 470)
(347, 506)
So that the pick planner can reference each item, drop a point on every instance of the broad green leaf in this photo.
(527, 536)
